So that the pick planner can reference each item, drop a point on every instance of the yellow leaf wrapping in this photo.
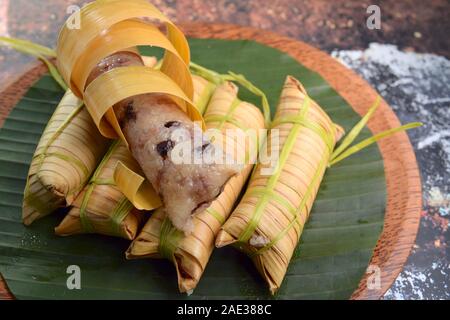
(112, 26)
(101, 207)
(268, 221)
(135, 187)
(97, 18)
(68, 152)
(120, 83)
(203, 90)
(190, 254)
(125, 36)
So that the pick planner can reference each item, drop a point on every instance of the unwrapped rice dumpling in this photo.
(141, 105)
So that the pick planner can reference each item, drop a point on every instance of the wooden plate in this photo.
(404, 194)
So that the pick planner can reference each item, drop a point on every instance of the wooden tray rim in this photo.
(404, 192)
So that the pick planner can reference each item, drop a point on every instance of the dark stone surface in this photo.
(414, 25)
(417, 89)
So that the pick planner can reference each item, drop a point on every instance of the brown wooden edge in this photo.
(4, 291)
(404, 193)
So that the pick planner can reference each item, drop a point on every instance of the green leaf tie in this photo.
(31, 199)
(28, 47)
(367, 142)
(204, 96)
(169, 236)
(344, 151)
(225, 118)
(217, 78)
(339, 154)
(86, 224)
(316, 128)
(216, 215)
(239, 78)
(120, 212)
(354, 132)
(285, 152)
(72, 160)
(262, 192)
(168, 240)
(300, 208)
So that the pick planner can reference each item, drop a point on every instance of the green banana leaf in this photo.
(334, 251)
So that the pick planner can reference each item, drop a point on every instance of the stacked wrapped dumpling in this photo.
(268, 221)
(102, 207)
(68, 152)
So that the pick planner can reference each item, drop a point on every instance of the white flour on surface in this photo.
(417, 87)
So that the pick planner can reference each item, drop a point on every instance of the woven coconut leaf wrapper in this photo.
(68, 152)
(269, 220)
